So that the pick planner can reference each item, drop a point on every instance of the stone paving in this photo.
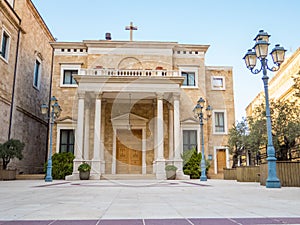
(146, 202)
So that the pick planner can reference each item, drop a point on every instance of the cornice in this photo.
(40, 20)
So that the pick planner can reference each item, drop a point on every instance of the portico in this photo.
(128, 125)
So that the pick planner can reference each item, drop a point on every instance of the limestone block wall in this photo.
(220, 100)
(10, 24)
(28, 124)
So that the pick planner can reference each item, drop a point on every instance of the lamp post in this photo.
(260, 51)
(199, 114)
(54, 113)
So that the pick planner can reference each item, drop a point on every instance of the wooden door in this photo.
(129, 152)
(221, 160)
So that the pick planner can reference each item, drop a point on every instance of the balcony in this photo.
(128, 73)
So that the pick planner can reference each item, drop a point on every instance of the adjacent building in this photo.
(281, 84)
(25, 71)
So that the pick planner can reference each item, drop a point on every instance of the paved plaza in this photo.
(146, 202)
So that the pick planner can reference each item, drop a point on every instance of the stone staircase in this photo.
(127, 177)
(30, 176)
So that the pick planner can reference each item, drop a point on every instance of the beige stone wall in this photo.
(188, 99)
(9, 23)
(281, 84)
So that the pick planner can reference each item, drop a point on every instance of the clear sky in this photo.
(228, 26)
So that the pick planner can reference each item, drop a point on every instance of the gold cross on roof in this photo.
(131, 28)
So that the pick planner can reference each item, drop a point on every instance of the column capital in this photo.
(98, 95)
(160, 95)
(176, 96)
(81, 94)
(170, 106)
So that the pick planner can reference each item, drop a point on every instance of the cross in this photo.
(131, 28)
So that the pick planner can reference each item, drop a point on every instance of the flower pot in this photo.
(171, 175)
(84, 175)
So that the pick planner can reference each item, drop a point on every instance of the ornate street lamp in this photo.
(260, 51)
(199, 114)
(54, 113)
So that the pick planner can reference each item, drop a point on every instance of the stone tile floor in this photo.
(191, 221)
(215, 202)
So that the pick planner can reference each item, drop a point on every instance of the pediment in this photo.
(66, 119)
(129, 119)
(190, 120)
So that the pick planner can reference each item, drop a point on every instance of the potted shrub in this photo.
(171, 172)
(84, 171)
(9, 150)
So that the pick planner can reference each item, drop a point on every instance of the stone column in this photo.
(86, 133)
(177, 139)
(80, 126)
(78, 137)
(102, 148)
(154, 136)
(171, 132)
(95, 172)
(144, 166)
(160, 160)
(114, 155)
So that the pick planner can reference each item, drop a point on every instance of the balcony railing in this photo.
(127, 73)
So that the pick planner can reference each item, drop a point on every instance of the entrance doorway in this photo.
(221, 160)
(129, 152)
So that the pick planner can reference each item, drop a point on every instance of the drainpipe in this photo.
(14, 85)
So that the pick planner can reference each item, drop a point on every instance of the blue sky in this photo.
(228, 26)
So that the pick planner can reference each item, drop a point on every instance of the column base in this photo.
(74, 176)
(179, 173)
(160, 169)
(96, 169)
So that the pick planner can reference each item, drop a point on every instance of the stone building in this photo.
(281, 84)
(128, 106)
(25, 71)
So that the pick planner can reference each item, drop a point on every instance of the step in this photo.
(128, 177)
(30, 176)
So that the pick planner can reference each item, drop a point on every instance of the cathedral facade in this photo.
(127, 106)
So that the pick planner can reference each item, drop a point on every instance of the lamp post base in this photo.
(273, 184)
(203, 178)
(48, 179)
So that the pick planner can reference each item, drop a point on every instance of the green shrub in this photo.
(62, 165)
(191, 163)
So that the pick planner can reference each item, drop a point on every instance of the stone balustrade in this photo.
(115, 72)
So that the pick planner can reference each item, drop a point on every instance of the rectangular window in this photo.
(189, 78)
(66, 141)
(189, 139)
(219, 122)
(68, 76)
(218, 83)
(4, 45)
(36, 75)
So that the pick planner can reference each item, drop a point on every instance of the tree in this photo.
(9, 150)
(237, 140)
(285, 127)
